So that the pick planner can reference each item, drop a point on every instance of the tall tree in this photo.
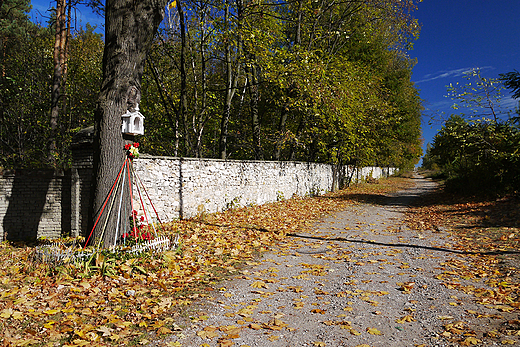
(60, 61)
(129, 30)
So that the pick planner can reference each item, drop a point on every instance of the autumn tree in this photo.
(479, 151)
(129, 30)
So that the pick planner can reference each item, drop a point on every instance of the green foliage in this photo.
(479, 157)
(481, 95)
(512, 81)
(332, 84)
(25, 95)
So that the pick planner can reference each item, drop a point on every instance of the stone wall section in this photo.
(188, 187)
(46, 203)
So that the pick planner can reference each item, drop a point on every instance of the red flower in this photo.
(142, 218)
(128, 146)
(136, 144)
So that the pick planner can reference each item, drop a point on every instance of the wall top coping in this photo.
(148, 156)
(34, 173)
(83, 137)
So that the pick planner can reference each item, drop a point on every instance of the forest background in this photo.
(317, 81)
(321, 81)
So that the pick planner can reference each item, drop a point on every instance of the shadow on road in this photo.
(402, 245)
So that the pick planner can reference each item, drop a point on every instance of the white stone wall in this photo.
(182, 187)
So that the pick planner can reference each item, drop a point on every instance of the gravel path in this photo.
(376, 289)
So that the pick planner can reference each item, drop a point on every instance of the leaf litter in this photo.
(157, 297)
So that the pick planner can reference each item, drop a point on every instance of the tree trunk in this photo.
(59, 60)
(130, 27)
(183, 103)
(255, 119)
(231, 85)
(281, 131)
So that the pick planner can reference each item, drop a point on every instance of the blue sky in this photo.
(83, 14)
(457, 36)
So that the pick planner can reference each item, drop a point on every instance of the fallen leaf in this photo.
(259, 284)
(470, 341)
(373, 331)
(405, 319)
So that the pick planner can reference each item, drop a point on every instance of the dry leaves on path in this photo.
(486, 233)
(121, 300)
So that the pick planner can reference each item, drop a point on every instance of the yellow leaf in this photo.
(319, 344)
(259, 284)
(273, 338)
(6, 313)
(405, 319)
(226, 343)
(508, 342)
(244, 312)
(164, 331)
(49, 324)
(374, 331)
(172, 4)
(318, 310)
(174, 344)
(355, 332)
(298, 305)
(18, 315)
(27, 342)
(255, 326)
(470, 341)
(50, 312)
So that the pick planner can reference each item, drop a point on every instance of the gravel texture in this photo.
(374, 285)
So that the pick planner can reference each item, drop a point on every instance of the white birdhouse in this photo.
(133, 122)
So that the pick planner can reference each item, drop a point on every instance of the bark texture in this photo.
(130, 27)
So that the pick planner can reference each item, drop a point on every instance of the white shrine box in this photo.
(133, 123)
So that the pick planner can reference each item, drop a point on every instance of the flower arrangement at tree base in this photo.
(137, 233)
(132, 150)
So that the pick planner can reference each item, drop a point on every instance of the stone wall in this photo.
(187, 187)
(53, 204)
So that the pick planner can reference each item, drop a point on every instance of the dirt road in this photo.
(361, 278)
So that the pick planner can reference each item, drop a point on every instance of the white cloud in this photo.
(451, 73)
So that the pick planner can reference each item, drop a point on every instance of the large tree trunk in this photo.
(130, 27)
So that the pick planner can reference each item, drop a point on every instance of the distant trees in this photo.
(479, 154)
(512, 81)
